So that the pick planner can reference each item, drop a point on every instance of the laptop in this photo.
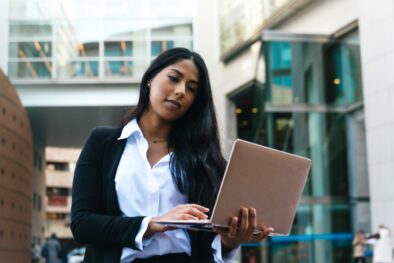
(256, 176)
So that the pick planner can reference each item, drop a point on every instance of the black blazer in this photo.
(95, 214)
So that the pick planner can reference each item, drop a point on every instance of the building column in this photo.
(377, 54)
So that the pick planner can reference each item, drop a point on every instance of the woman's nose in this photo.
(180, 89)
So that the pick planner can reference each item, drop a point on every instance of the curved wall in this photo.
(16, 169)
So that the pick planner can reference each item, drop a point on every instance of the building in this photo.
(60, 164)
(304, 76)
(77, 65)
(19, 207)
(312, 78)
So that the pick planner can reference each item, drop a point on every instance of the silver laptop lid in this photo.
(269, 180)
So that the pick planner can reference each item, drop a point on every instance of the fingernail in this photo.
(271, 229)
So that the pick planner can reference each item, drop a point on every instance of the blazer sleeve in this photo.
(89, 223)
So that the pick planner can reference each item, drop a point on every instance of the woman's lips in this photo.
(175, 103)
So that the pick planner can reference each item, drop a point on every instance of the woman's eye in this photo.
(173, 78)
(192, 88)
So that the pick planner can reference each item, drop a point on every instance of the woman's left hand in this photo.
(241, 230)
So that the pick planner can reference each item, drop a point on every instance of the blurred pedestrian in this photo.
(164, 162)
(35, 252)
(383, 248)
(359, 243)
(51, 250)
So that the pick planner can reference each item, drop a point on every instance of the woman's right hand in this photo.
(180, 212)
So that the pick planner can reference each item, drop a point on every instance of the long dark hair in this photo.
(197, 165)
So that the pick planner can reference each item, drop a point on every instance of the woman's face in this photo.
(173, 90)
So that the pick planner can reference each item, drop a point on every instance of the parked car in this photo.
(76, 255)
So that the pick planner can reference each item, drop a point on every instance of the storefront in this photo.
(311, 104)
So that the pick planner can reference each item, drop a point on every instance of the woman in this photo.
(163, 163)
(359, 243)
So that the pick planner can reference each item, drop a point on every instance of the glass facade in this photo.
(93, 39)
(241, 19)
(249, 109)
(308, 106)
(338, 62)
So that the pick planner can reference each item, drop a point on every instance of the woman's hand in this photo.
(180, 212)
(241, 230)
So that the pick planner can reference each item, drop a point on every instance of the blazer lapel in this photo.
(115, 151)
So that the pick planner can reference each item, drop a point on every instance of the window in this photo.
(57, 166)
(57, 191)
(56, 216)
(311, 85)
(30, 50)
(92, 40)
(160, 46)
(118, 48)
(240, 20)
(34, 49)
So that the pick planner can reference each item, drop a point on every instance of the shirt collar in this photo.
(130, 128)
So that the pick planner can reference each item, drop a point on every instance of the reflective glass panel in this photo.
(159, 46)
(249, 112)
(30, 70)
(118, 48)
(70, 50)
(281, 83)
(343, 71)
(321, 137)
(31, 30)
(241, 19)
(78, 69)
(30, 50)
(318, 229)
(124, 68)
(90, 38)
(314, 73)
(308, 84)
(89, 49)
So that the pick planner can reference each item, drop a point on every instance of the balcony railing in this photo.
(57, 200)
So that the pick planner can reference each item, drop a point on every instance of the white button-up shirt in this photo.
(148, 191)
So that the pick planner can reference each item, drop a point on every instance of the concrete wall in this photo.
(377, 53)
(322, 17)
